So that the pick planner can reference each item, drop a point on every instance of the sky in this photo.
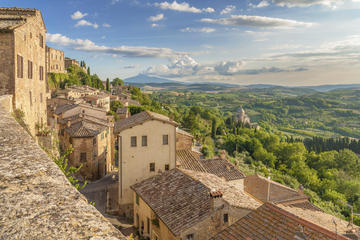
(282, 42)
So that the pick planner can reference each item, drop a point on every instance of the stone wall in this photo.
(36, 199)
(6, 63)
(55, 62)
(30, 93)
(183, 141)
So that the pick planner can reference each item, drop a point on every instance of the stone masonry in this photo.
(36, 199)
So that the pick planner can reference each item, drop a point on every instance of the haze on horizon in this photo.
(280, 42)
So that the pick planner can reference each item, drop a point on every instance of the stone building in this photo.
(69, 62)
(100, 100)
(23, 62)
(242, 117)
(184, 140)
(55, 62)
(123, 112)
(146, 147)
(90, 131)
(182, 204)
(91, 140)
(272, 221)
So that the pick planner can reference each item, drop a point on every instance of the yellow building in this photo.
(146, 147)
(187, 205)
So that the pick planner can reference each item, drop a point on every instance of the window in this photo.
(105, 149)
(226, 218)
(41, 73)
(30, 69)
(62, 132)
(137, 200)
(167, 167)
(41, 41)
(70, 140)
(190, 237)
(148, 225)
(152, 167)
(144, 141)
(20, 66)
(41, 97)
(102, 136)
(94, 154)
(165, 139)
(83, 157)
(133, 141)
(30, 94)
(94, 141)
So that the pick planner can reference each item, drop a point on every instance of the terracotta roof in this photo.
(305, 205)
(187, 159)
(180, 131)
(177, 199)
(123, 110)
(7, 23)
(78, 117)
(222, 168)
(141, 118)
(321, 218)
(257, 186)
(271, 222)
(232, 193)
(63, 108)
(84, 128)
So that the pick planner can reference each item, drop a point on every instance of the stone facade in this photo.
(22, 63)
(36, 199)
(69, 62)
(55, 62)
(184, 140)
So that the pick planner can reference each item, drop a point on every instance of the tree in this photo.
(69, 172)
(88, 70)
(114, 105)
(117, 82)
(108, 85)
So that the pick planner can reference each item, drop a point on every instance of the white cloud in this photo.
(182, 7)
(78, 15)
(185, 66)
(154, 25)
(202, 30)
(106, 25)
(86, 23)
(261, 4)
(257, 21)
(228, 9)
(306, 3)
(125, 51)
(156, 18)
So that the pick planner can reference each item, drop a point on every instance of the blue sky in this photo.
(284, 42)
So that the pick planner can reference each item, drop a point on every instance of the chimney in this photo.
(268, 190)
(216, 199)
(223, 154)
(301, 190)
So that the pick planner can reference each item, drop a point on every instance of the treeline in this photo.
(331, 178)
(319, 144)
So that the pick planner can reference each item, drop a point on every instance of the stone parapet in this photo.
(36, 199)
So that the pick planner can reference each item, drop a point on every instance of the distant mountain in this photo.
(142, 78)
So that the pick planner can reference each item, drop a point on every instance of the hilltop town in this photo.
(141, 170)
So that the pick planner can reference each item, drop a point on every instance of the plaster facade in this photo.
(134, 162)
